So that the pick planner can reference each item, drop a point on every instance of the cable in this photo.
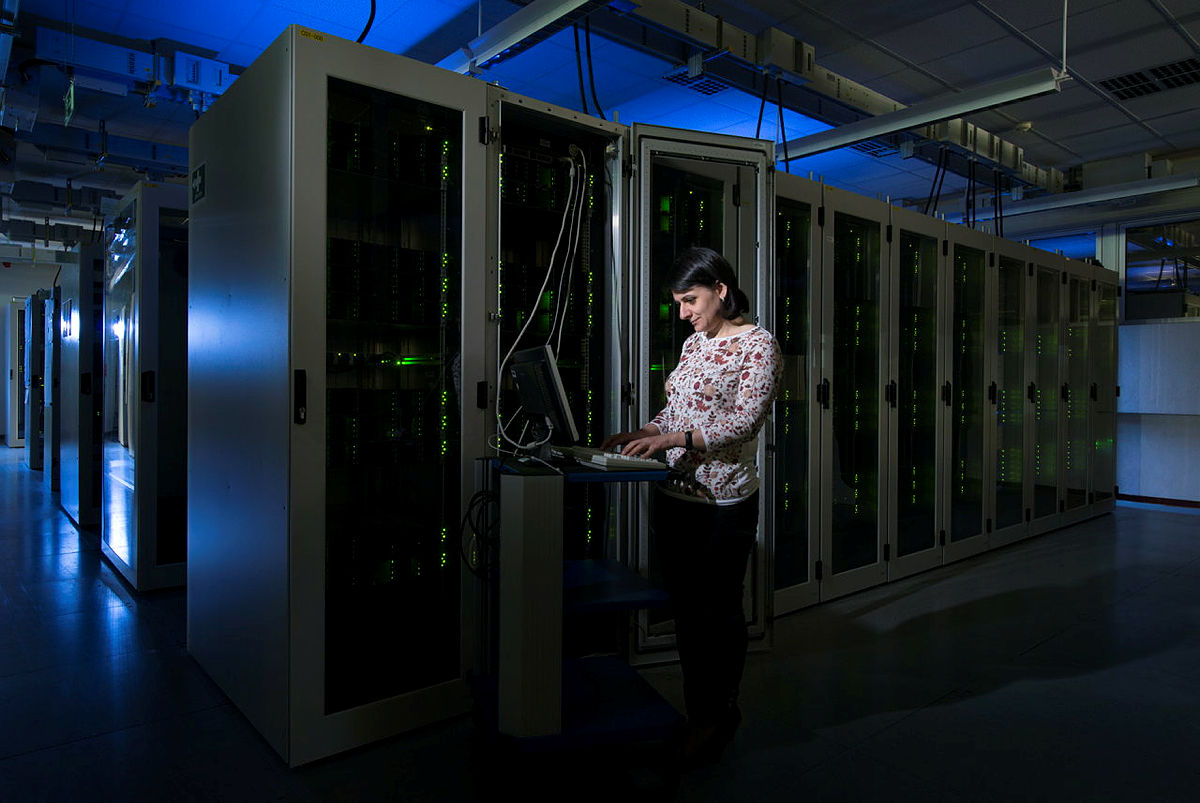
(579, 71)
(564, 287)
(587, 30)
(787, 165)
(370, 22)
(762, 105)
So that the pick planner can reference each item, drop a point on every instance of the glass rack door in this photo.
(1076, 390)
(121, 335)
(966, 395)
(1104, 377)
(392, 441)
(851, 391)
(1044, 393)
(695, 189)
(795, 444)
(914, 393)
(1009, 348)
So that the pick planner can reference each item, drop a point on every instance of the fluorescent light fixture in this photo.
(1114, 192)
(511, 31)
(989, 96)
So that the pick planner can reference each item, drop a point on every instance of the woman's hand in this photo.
(620, 438)
(647, 445)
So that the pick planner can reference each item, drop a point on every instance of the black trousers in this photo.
(703, 551)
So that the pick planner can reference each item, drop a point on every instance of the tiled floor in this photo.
(1064, 668)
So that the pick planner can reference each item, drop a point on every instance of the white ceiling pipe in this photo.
(513, 30)
(989, 96)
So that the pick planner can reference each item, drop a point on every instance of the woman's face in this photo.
(701, 307)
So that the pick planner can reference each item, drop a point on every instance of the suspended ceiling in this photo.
(910, 52)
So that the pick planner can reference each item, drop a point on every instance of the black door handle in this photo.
(1066, 392)
(889, 393)
(992, 393)
(301, 397)
(948, 393)
(1032, 393)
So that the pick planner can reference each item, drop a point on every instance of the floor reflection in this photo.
(118, 506)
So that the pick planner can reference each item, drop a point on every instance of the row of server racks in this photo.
(104, 377)
(368, 237)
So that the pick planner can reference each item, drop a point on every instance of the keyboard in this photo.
(607, 461)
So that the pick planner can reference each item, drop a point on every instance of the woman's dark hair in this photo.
(705, 267)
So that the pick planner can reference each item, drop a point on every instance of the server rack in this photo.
(14, 433)
(52, 338)
(80, 317)
(695, 189)
(335, 360)
(143, 531)
(916, 475)
(1012, 347)
(966, 394)
(793, 523)
(1106, 290)
(1075, 391)
(34, 377)
(854, 417)
(1044, 390)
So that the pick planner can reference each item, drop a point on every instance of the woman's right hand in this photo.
(619, 438)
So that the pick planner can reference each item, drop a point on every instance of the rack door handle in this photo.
(300, 397)
(948, 394)
(992, 393)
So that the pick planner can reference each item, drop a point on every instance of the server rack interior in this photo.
(50, 405)
(916, 394)
(1044, 391)
(689, 212)
(1104, 469)
(554, 188)
(34, 379)
(393, 441)
(967, 409)
(856, 277)
(1010, 393)
(1076, 390)
(14, 433)
(793, 274)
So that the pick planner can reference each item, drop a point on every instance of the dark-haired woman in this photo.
(706, 516)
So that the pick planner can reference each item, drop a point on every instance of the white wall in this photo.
(1158, 412)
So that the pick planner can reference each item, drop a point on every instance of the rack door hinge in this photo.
(487, 134)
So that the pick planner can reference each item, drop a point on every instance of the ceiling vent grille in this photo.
(1181, 73)
(703, 84)
(1155, 79)
(875, 148)
(1131, 85)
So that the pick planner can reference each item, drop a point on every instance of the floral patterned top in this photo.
(723, 387)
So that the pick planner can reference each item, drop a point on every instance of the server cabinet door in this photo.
(387, 310)
(916, 266)
(854, 319)
(968, 518)
(1076, 389)
(1104, 391)
(695, 189)
(14, 433)
(1044, 391)
(1011, 488)
(793, 519)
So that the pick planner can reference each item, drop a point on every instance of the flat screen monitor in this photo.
(540, 388)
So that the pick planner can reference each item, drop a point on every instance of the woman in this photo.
(706, 516)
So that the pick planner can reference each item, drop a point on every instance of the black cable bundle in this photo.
(787, 165)
(579, 71)
(587, 31)
(370, 22)
(935, 188)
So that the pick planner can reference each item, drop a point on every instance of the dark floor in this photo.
(1064, 668)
